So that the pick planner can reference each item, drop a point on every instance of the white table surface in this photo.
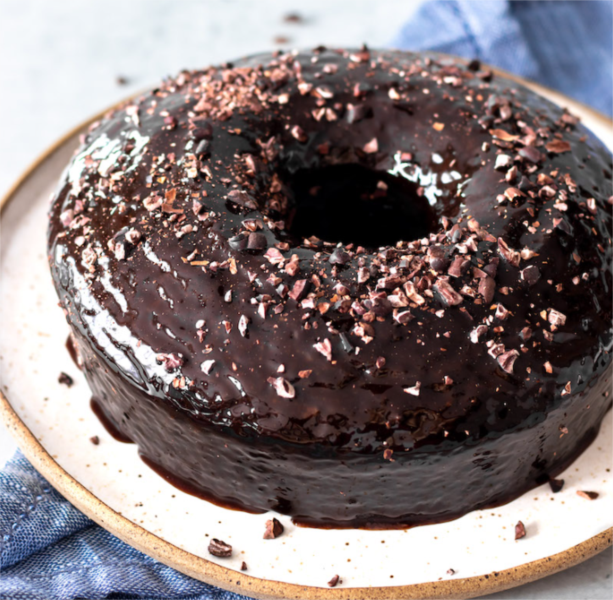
(59, 64)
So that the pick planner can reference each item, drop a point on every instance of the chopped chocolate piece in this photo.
(95, 440)
(503, 161)
(238, 242)
(371, 147)
(170, 361)
(507, 359)
(556, 318)
(449, 296)
(477, 333)
(243, 566)
(451, 572)
(387, 454)
(511, 256)
(299, 133)
(501, 312)
(283, 387)
(520, 530)
(557, 146)
(207, 366)
(357, 112)
(503, 135)
(203, 148)
(325, 347)
(556, 485)
(487, 287)
(293, 18)
(273, 529)
(413, 390)
(530, 274)
(243, 322)
(334, 581)
(299, 290)
(531, 154)
(339, 257)
(65, 379)
(257, 241)
(588, 495)
(242, 198)
(219, 548)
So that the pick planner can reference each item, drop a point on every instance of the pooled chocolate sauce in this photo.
(364, 289)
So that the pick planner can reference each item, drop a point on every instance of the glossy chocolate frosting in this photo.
(361, 288)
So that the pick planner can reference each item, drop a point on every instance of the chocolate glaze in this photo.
(428, 396)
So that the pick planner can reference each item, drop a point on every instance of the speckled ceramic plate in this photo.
(53, 425)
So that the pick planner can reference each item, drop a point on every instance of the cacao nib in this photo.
(220, 549)
(65, 379)
(273, 529)
(520, 530)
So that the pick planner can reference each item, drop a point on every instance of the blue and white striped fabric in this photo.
(48, 549)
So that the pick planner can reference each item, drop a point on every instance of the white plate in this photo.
(32, 355)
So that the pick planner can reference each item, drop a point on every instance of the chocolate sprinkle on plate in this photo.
(334, 581)
(588, 495)
(65, 379)
(520, 530)
(273, 529)
(219, 548)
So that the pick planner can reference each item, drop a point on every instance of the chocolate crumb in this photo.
(293, 18)
(450, 571)
(530, 274)
(65, 379)
(334, 581)
(219, 548)
(371, 147)
(283, 387)
(95, 440)
(273, 529)
(520, 530)
(243, 566)
(507, 359)
(556, 485)
(588, 495)
(557, 146)
(387, 454)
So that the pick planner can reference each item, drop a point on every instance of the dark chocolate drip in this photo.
(113, 430)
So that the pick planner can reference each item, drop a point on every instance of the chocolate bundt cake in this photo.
(364, 289)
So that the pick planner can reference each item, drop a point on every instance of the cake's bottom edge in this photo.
(343, 490)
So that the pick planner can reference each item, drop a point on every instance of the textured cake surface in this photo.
(361, 288)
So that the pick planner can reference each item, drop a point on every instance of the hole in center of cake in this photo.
(350, 203)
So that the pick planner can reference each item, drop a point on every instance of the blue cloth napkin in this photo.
(48, 549)
(563, 45)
